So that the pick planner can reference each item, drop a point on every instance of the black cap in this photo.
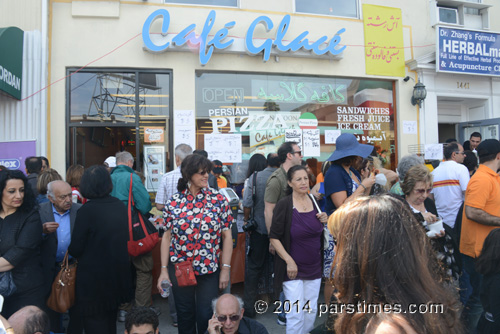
(487, 147)
(217, 166)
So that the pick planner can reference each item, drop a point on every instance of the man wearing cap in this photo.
(481, 215)
(110, 163)
(217, 171)
(450, 182)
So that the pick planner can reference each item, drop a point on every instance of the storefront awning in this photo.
(11, 61)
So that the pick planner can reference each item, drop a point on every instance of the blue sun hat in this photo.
(347, 145)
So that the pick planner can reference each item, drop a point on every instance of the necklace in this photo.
(302, 204)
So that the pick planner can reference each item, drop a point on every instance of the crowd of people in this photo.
(366, 235)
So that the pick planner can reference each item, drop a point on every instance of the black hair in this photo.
(203, 153)
(486, 158)
(29, 198)
(476, 134)
(291, 172)
(141, 316)
(190, 166)
(349, 160)
(273, 160)
(33, 164)
(466, 145)
(96, 182)
(487, 262)
(451, 140)
(46, 161)
(37, 321)
(284, 149)
(449, 149)
(257, 163)
(470, 160)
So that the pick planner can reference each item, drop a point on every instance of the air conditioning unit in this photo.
(447, 15)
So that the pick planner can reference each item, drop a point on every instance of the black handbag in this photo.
(7, 285)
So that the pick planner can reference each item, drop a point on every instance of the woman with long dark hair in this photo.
(20, 239)
(384, 259)
(198, 230)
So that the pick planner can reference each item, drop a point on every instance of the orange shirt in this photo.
(221, 182)
(483, 192)
(320, 178)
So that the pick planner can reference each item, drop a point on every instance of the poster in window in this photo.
(154, 166)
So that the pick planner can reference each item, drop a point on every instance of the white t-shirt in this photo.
(450, 181)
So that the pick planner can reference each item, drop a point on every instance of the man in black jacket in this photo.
(58, 219)
(33, 168)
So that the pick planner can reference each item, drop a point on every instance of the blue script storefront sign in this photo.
(468, 51)
(219, 40)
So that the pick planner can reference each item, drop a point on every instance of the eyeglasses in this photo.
(233, 318)
(202, 173)
(422, 191)
(298, 152)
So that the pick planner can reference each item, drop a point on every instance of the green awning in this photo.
(11, 61)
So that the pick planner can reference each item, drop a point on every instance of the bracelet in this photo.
(226, 265)
(361, 184)
(164, 266)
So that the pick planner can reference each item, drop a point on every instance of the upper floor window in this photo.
(347, 8)
(227, 3)
(472, 14)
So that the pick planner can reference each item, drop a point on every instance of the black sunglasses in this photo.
(233, 318)
(202, 173)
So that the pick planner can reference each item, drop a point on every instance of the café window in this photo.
(255, 113)
(347, 8)
(111, 111)
(225, 3)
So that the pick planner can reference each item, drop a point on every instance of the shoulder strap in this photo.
(254, 191)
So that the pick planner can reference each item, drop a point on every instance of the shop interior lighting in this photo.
(140, 95)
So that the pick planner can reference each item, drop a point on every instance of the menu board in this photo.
(154, 166)
(223, 147)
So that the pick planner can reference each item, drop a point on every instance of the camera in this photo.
(250, 226)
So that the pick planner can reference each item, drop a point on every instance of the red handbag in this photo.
(184, 273)
(143, 235)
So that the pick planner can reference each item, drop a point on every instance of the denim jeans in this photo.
(194, 303)
(473, 308)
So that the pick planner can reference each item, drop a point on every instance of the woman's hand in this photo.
(322, 217)
(224, 278)
(369, 181)
(163, 276)
(429, 217)
(291, 269)
(439, 235)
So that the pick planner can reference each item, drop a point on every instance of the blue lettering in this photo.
(221, 41)
(187, 34)
(164, 28)
(268, 43)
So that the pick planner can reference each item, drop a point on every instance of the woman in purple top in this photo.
(297, 235)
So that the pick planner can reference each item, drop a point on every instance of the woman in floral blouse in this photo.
(198, 221)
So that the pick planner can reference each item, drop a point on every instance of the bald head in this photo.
(30, 320)
(227, 306)
(59, 193)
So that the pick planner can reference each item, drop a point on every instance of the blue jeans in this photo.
(194, 303)
(473, 308)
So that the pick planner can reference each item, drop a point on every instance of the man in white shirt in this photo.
(168, 184)
(450, 182)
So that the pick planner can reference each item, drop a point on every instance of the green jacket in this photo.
(121, 185)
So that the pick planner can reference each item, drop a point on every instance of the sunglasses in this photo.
(423, 191)
(202, 173)
(233, 318)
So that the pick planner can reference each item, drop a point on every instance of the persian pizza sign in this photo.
(468, 51)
